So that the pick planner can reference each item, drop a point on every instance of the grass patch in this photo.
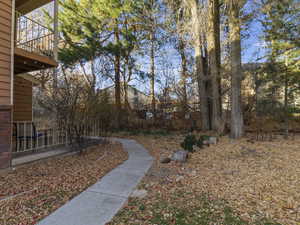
(183, 209)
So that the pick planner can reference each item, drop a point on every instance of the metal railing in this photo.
(33, 36)
(28, 137)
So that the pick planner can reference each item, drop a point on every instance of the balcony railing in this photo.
(29, 136)
(34, 37)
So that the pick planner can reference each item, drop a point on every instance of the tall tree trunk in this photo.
(213, 43)
(183, 75)
(152, 74)
(237, 123)
(218, 53)
(117, 79)
(125, 82)
(126, 102)
(200, 73)
(93, 78)
(286, 116)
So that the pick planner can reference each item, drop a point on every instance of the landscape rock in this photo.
(165, 160)
(139, 193)
(206, 142)
(193, 173)
(179, 178)
(180, 156)
(213, 140)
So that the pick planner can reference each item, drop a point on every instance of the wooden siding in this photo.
(5, 51)
(22, 99)
(26, 6)
(27, 62)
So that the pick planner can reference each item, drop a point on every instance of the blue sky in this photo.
(253, 46)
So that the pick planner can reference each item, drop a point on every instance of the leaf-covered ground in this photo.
(234, 182)
(33, 191)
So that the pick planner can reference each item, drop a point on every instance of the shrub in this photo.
(190, 141)
(204, 137)
(199, 143)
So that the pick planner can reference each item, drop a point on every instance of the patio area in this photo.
(30, 137)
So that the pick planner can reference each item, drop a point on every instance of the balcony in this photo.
(34, 45)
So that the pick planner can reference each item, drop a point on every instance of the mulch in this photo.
(31, 192)
(258, 179)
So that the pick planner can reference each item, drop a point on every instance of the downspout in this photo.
(12, 53)
(12, 72)
(32, 102)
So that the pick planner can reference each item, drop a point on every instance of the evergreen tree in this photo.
(281, 23)
(96, 28)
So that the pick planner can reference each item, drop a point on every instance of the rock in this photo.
(206, 142)
(139, 193)
(165, 160)
(213, 140)
(180, 156)
(190, 172)
(179, 178)
(149, 184)
(193, 173)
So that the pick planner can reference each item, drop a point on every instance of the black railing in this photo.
(33, 36)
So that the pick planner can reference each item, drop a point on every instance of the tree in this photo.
(96, 30)
(234, 18)
(213, 43)
(201, 72)
(184, 72)
(179, 38)
(152, 27)
(280, 20)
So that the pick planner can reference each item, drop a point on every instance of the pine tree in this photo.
(151, 26)
(93, 29)
(281, 32)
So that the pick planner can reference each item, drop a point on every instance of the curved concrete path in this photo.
(100, 202)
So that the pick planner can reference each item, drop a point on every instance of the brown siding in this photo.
(22, 100)
(5, 137)
(5, 83)
(26, 6)
(5, 51)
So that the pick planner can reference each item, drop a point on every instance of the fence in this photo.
(28, 136)
(33, 36)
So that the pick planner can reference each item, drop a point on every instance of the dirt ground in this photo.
(256, 179)
(33, 191)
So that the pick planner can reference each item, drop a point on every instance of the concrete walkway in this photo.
(100, 202)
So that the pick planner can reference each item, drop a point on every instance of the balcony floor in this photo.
(27, 61)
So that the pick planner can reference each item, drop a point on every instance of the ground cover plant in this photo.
(31, 192)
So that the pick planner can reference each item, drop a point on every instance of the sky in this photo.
(253, 46)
